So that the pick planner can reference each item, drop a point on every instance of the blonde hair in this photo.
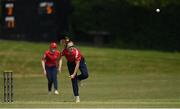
(70, 44)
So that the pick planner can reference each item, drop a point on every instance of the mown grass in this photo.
(118, 78)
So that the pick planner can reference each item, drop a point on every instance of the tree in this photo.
(0, 15)
(153, 3)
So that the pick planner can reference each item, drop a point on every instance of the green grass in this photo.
(118, 78)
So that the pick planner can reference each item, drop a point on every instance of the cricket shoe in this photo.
(77, 99)
(49, 93)
(56, 92)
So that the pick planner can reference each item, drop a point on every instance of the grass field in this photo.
(118, 78)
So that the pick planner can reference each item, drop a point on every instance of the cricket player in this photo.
(75, 61)
(50, 61)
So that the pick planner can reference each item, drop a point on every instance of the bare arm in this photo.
(43, 66)
(60, 64)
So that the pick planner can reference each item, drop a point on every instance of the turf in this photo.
(118, 78)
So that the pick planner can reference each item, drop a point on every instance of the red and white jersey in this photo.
(51, 58)
(72, 55)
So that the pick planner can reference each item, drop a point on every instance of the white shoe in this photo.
(56, 92)
(77, 99)
(49, 93)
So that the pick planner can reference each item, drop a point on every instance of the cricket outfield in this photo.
(118, 78)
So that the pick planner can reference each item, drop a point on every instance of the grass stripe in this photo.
(96, 102)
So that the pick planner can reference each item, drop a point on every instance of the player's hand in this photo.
(72, 76)
(59, 70)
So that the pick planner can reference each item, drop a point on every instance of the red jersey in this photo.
(51, 58)
(72, 55)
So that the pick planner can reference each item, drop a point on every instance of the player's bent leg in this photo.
(84, 71)
(82, 76)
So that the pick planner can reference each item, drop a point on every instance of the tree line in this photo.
(132, 24)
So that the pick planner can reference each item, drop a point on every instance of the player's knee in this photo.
(86, 76)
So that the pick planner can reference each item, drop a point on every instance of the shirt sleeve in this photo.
(77, 55)
(62, 53)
